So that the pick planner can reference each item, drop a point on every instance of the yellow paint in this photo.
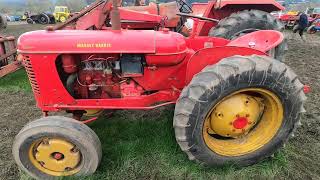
(61, 13)
(41, 156)
(93, 112)
(242, 105)
(94, 45)
(253, 139)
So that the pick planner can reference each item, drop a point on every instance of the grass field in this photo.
(141, 145)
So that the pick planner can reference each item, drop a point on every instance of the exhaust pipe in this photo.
(115, 16)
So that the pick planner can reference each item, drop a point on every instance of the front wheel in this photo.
(238, 111)
(62, 19)
(57, 146)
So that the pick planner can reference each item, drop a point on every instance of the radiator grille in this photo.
(31, 75)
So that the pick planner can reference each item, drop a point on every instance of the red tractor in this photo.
(236, 103)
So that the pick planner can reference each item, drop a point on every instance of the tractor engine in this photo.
(102, 76)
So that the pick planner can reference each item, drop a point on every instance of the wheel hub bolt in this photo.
(58, 156)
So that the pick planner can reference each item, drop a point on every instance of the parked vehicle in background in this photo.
(43, 18)
(315, 27)
(61, 13)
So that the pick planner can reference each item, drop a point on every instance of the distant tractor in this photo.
(61, 13)
(42, 18)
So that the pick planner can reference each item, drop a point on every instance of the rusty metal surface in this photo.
(8, 52)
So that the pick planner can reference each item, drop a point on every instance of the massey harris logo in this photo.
(94, 45)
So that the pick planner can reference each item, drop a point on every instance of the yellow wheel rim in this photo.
(243, 122)
(63, 19)
(55, 157)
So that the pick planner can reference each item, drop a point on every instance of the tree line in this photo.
(39, 6)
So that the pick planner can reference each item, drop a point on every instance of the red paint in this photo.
(171, 61)
(58, 156)
(306, 89)
(240, 123)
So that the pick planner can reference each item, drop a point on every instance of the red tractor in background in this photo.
(291, 18)
(236, 102)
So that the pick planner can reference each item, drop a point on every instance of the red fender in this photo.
(209, 56)
(264, 5)
(263, 40)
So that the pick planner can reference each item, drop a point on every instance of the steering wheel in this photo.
(184, 7)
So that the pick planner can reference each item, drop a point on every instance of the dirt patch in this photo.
(17, 29)
(303, 58)
(16, 109)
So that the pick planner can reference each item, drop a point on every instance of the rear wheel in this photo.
(238, 111)
(244, 22)
(30, 21)
(57, 146)
(44, 18)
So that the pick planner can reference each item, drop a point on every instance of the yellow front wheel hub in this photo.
(243, 122)
(236, 115)
(63, 19)
(55, 157)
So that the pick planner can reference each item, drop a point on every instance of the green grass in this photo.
(141, 145)
(17, 81)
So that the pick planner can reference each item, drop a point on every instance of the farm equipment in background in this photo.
(8, 52)
(289, 19)
(315, 27)
(236, 103)
(61, 13)
(43, 18)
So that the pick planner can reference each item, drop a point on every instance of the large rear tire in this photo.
(44, 19)
(238, 111)
(243, 22)
(57, 146)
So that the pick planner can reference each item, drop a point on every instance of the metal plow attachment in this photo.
(8, 53)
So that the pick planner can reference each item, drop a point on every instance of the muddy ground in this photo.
(18, 108)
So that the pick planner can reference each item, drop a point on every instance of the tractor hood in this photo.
(89, 41)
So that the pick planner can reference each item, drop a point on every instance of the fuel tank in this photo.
(152, 43)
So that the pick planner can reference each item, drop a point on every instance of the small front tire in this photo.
(57, 146)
